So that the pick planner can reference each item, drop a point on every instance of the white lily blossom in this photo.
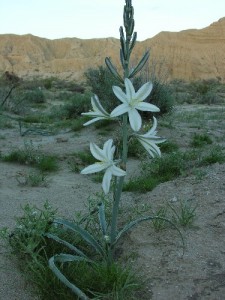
(149, 140)
(99, 113)
(105, 162)
(132, 102)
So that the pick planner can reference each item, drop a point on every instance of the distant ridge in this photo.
(188, 55)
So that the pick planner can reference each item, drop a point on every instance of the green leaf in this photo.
(123, 43)
(62, 258)
(133, 41)
(140, 65)
(122, 60)
(140, 220)
(70, 246)
(112, 69)
(85, 234)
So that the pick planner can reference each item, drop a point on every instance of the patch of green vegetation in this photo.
(78, 123)
(159, 223)
(5, 123)
(32, 179)
(159, 170)
(200, 140)
(135, 149)
(77, 104)
(31, 156)
(32, 245)
(34, 96)
(169, 146)
(215, 155)
(47, 163)
(183, 213)
(80, 159)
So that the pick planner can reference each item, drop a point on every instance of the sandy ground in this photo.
(199, 274)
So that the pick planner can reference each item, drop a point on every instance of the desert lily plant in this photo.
(130, 120)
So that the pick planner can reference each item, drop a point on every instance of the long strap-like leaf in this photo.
(85, 234)
(140, 220)
(62, 258)
(67, 244)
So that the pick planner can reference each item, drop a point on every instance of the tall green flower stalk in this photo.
(127, 112)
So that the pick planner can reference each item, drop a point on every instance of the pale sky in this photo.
(87, 19)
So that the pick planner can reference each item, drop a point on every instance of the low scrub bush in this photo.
(101, 81)
(78, 104)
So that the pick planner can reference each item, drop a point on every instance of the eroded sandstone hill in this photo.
(188, 55)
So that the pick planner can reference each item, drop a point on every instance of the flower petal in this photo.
(152, 130)
(106, 181)
(135, 119)
(144, 91)
(130, 92)
(93, 120)
(119, 110)
(117, 171)
(97, 152)
(108, 149)
(97, 167)
(144, 106)
(119, 94)
(97, 105)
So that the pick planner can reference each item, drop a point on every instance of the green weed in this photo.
(215, 155)
(160, 223)
(200, 140)
(80, 159)
(32, 179)
(184, 213)
(31, 156)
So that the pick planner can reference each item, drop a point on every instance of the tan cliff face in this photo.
(188, 55)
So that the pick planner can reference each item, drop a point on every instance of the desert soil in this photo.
(198, 274)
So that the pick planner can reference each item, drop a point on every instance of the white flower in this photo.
(98, 112)
(133, 101)
(149, 140)
(105, 157)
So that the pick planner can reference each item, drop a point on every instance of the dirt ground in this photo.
(198, 274)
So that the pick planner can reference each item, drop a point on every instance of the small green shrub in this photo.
(135, 149)
(34, 96)
(160, 223)
(47, 163)
(168, 147)
(78, 104)
(183, 214)
(216, 155)
(32, 179)
(80, 159)
(78, 123)
(157, 171)
(200, 140)
(101, 81)
(160, 96)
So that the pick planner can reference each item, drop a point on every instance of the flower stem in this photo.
(119, 183)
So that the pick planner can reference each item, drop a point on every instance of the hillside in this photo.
(189, 55)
